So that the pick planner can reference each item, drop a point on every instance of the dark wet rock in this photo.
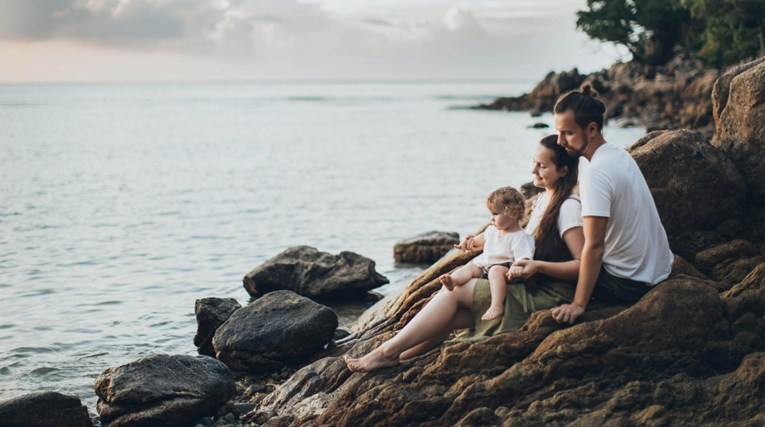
(211, 313)
(319, 275)
(539, 125)
(425, 248)
(162, 390)
(44, 409)
(277, 330)
(666, 159)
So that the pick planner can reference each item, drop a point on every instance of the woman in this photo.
(550, 279)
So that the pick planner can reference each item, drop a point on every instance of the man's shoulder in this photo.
(610, 160)
(607, 153)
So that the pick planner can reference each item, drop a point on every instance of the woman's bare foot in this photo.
(375, 359)
(447, 281)
(494, 312)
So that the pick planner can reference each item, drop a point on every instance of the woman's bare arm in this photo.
(568, 270)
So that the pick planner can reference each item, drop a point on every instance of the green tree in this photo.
(650, 29)
(734, 29)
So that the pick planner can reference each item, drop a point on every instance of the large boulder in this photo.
(211, 313)
(696, 187)
(44, 410)
(425, 248)
(739, 111)
(162, 390)
(320, 275)
(280, 329)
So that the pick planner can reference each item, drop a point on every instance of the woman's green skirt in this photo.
(521, 300)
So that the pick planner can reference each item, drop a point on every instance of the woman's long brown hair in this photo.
(549, 245)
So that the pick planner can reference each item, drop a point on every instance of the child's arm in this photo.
(523, 249)
(472, 243)
(477, 242)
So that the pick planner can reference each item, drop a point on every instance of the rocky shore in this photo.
(673, 96)
(691, 352)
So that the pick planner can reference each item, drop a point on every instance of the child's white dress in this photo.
(504, 249)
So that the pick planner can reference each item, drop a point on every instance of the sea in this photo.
(121, 204)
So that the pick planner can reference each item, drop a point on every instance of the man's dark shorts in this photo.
(612, 289)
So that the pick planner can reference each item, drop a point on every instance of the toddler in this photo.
(503, 242)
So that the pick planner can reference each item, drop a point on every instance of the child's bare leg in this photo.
(498, 288)
(460, 276)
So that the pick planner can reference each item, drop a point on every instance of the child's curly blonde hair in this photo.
(506, 200)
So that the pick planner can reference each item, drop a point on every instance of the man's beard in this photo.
(579, 153)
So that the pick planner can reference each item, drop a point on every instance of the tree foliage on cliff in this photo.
(720, 32)
(734, 30)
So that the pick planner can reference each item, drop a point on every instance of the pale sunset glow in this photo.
(168, 40)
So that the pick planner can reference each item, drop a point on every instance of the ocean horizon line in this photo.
(266, 82)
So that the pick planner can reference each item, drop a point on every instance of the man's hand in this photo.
(567, 313)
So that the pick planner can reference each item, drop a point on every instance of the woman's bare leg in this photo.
(433, 321)
(463, 319)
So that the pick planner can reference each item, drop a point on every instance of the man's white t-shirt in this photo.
(570, 215)
(636, 246)
(504, 248)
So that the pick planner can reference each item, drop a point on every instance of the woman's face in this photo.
(546, 174)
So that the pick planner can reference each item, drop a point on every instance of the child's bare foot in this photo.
(494, 312)
(375, 359)
(447, 281)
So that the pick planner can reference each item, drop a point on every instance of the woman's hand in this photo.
(514, 272)
(529, 268)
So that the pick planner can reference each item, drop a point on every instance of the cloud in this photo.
(317, 38)
(234, 27)
(109, 22)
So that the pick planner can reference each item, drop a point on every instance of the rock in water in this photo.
(44, 410)
(308, 272)
(162, 390)
(277, 330)
(211, 313)
(425, 248)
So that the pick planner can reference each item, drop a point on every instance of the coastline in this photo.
(320, 392)
(677, 95)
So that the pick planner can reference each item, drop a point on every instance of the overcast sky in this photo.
(107, 40)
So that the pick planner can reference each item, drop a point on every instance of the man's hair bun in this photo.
(587, 91)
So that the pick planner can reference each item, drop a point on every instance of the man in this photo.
(626, 251)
